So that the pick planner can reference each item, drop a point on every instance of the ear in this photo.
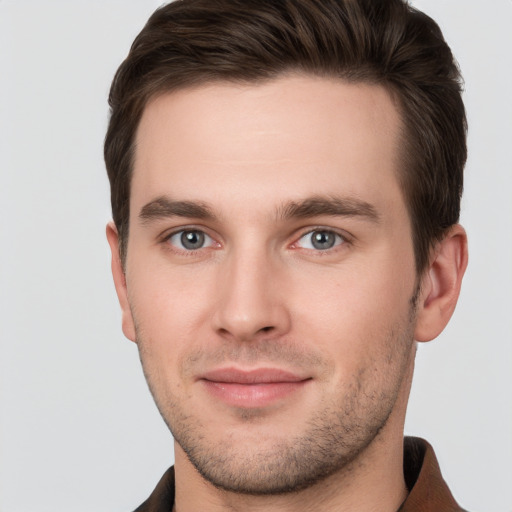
(120, 282)
(440, 284)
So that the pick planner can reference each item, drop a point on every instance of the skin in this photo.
(258, 169)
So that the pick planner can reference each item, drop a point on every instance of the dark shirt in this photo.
(428, 491)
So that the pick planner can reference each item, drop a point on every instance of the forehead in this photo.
(293, 136)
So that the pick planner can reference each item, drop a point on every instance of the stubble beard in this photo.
(331, 441)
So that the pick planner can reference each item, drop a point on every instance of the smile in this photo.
(252, 389)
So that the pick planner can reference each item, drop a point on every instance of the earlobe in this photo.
(120, 282)
(440, 286)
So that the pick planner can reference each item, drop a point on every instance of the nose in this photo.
(251, 298)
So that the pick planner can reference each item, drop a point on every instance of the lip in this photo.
(253, 388)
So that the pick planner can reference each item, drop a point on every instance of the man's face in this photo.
(270, 276)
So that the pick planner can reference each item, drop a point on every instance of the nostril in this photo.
(266, 329)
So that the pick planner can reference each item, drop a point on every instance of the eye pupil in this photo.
(192, 239)
(323, 240)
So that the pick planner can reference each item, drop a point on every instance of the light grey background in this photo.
(78, 428)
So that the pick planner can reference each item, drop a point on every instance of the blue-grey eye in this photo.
(320, 240)
(190, 240)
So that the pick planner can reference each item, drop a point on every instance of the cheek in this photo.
(166, 296)
(361, 296)
(354, 314)
(170, 311)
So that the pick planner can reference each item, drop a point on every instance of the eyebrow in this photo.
(331, 206)
(163, 208)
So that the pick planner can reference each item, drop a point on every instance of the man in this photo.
(286, 179)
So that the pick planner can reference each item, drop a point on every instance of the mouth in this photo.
(254, 388)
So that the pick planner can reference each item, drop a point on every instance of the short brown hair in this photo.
(384, 42)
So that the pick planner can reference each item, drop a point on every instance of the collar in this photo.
(428, 492)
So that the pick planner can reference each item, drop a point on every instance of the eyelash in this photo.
(345, 239)
(188, 229)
